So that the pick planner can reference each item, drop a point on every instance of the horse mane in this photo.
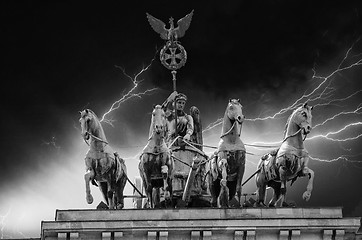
(287, 124)
(226, 123)
(150, 133)
(288, 120)
(98, 122)
(93, 113)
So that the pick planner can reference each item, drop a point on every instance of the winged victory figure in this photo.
(171, 34)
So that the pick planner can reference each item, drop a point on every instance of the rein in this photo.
(293, 135)
(153, 133)
(201, 145)
(97, 138)
(229, 131)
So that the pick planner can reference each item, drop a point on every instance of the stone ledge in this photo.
(347, 224)
(195, 214)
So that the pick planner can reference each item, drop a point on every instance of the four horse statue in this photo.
(287, 163)
(228, 164)
(104, 168)
(155, 165)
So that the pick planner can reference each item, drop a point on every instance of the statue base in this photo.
(202, 223)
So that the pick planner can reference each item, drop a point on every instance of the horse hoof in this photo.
(181, 204)
(120, 206)
(167, 195)
(234, 203)
(306, 195)
(260, 205)
(89, 199)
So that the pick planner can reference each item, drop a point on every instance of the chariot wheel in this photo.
(138, 200)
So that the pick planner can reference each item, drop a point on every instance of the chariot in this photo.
(174, 174)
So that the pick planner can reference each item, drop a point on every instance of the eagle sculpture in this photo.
(171, 34)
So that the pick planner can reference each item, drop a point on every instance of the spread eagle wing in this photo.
(183, 24)
(158, 26)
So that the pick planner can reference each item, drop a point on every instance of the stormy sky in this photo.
(62, 57)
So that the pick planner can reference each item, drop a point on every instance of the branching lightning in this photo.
(357, 111)
(52, 143)
(323, 95)
(3, 219)
(212, 125)
(131, 93)
(327, 136)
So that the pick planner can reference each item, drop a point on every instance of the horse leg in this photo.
(146, 178)
(307, 194)
(119, 192)
(165, 171)
(148, 190)
(276, 195)
(224, 193)
(156, 197)
(261, 190)
(120, 183)
(214, 191)
(104, 188)
(88, 176)
(214, 182)
(283, 186)
(110, 195)
(223, 199)
(240, 177)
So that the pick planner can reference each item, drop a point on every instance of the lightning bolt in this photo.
(16, 230)
(3, 223)
(342, 157)
(359, 107)
(322, 95)
(326, 136)
(212, 125)
(52, 143)
(131, 93)
(331, 102)
(326, 90)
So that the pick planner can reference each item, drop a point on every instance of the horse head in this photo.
(158, 121)
(302, 117)
(85, 122)
(234, 111)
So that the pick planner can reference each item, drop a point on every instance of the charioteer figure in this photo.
(179, 124)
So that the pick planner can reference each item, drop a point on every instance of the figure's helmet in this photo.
(180, 96)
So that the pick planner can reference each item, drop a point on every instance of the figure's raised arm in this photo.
(170, 98)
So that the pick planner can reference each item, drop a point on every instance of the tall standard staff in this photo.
(173, 55)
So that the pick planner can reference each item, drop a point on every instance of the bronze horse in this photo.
(228, 164)
(287, 163)
(104, 168)
(155, 165)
